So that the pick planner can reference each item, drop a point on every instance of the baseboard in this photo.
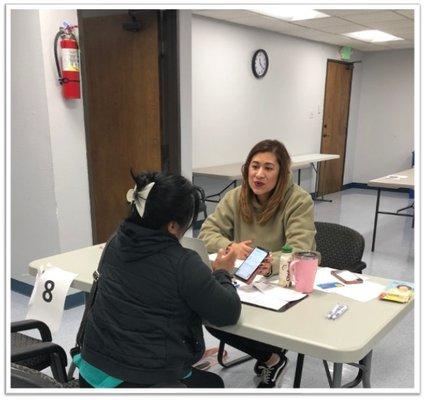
(357, 185)
(71, 301)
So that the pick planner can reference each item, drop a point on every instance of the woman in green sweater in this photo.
(267, 210)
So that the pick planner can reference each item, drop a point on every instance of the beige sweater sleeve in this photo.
(217, 231)
(299, 223)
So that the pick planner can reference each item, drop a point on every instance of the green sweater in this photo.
(292, 224)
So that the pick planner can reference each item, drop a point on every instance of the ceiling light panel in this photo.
(290, 13)
(372, 36)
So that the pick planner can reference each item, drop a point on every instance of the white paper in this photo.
(363, 292)
(48, 296)
(249, 294)
(263, 292)
(273, 290)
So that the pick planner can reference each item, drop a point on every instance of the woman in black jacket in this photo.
(145, 327)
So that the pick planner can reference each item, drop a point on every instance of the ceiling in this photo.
(330, 29)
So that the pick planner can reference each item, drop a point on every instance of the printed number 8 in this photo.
(47, 294)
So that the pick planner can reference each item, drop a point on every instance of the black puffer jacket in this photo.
(145, 326)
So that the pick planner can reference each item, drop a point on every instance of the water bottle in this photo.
(285, 259)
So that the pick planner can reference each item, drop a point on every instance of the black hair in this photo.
(172, 198)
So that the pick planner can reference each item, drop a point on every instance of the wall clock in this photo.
(260, 63)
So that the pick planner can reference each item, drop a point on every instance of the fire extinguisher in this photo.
(69, 76)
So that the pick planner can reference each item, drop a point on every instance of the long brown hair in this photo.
(247, 195)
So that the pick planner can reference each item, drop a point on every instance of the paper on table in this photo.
(273, 290)
(267, 294)
(359, 291)
(363, 292)
(251, 295)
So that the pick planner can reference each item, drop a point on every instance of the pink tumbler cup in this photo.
(302, 270)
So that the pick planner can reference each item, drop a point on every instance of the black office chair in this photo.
(24, 377)
(202, 209)
(37, 354)
(202, 205)
(341, 248)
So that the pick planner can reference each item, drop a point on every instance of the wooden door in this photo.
(121, 89)
(335, 124)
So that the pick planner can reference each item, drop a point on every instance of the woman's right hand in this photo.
(242, 249)
(225, 260)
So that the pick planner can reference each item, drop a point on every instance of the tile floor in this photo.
(393, 357)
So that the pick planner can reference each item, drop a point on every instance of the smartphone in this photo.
(346, 277)
(249, 267)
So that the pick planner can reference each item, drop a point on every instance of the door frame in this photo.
(351, 64)
(169, 91)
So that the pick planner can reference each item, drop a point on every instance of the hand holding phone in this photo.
(250, 267)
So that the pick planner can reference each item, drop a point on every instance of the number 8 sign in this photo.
(48, 296)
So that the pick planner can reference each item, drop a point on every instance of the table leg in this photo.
(316, 185)
(337, 375)
(378, 198)
(299, 370)
(367, 363)
(208, 198)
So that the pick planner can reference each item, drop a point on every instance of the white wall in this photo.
(50, 199)
(385, 127)
(34, 226)
(68, 142)
(232, 110)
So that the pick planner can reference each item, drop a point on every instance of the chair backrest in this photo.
(340, 247)
(202, 204)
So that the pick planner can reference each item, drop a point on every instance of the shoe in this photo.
(258, 367)
(269, 375)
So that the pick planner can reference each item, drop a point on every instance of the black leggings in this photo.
(198, 379)
(258, 350)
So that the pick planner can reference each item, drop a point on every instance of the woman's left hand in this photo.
(266, 266)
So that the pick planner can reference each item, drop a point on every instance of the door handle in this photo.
(326, 135)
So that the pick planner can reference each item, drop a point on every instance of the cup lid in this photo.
(306, 255)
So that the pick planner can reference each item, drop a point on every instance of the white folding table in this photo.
(233, 172)
(302, 328)
(403, 179)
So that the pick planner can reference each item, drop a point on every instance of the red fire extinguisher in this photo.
(69, 75)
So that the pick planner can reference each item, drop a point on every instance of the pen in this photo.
(333, 311)
(339, 312)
